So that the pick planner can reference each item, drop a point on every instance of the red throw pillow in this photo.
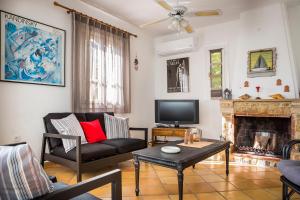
(93, 131)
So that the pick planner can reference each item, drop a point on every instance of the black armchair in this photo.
(290, 170)
(79, 190)
(63, 191)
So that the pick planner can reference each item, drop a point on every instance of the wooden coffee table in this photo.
(188, 156)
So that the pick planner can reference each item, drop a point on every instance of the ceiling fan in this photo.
(178, 13)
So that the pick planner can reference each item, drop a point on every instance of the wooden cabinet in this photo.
(167, 132)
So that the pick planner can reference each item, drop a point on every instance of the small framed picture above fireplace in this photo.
(262, 62)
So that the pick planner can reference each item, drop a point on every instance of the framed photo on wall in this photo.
(31, 52)
(262, 62)
(178, 75)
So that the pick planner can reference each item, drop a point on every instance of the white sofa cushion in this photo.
(116, 127)
(69, 126)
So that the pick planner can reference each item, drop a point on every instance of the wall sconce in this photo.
(136, 63)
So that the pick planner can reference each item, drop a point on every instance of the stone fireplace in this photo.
(260, 127)
(263, 136)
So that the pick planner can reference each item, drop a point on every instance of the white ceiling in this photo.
(139, 12)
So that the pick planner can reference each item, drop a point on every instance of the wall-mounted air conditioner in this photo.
(176, 46)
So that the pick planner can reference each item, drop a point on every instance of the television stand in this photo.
(168, 132)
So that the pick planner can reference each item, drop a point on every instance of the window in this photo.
(101, 67)
(106, 80)
(216, 73)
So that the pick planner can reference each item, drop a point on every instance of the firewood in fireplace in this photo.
(261, 140)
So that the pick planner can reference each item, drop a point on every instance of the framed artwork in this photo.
(262, 62)
(178, 75)
(31, 52)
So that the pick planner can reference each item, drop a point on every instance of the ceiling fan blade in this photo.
(189, 29)
(164, 4)
(205, 13)
(153, 22)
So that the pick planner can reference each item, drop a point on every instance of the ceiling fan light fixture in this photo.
(170, 26)
(178, 25)
(184, 23)
(174, 22)
(177, 14)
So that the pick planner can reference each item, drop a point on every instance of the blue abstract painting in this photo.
(31, 52)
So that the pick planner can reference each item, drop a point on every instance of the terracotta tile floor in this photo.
(206, 182)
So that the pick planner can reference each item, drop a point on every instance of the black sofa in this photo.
(87, 157)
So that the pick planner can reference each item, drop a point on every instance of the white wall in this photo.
(256, 29)
(209, 38)
(22, 106)
(294, 19)
(265, 28)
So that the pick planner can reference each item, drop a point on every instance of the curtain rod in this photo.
(70, 10)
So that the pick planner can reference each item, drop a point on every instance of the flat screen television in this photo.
(177, 112)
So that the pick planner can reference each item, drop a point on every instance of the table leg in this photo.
(227, 159)
(154, 139)
(137, 175)
(180, 184)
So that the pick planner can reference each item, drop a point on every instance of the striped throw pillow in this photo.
(116, 127)
(21, 175)
(69, 126)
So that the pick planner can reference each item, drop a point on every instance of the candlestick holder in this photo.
(258, 90)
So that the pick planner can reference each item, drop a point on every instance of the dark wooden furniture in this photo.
(286, 183)
(87, 157)
(64, 191)
(79, 190)
(188, 156)
(168, 132)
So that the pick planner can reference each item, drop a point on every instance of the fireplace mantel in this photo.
(286, 108)
(261, 107)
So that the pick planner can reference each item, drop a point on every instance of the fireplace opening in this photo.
(263, 136)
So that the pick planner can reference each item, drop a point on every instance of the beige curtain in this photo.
(101, 73)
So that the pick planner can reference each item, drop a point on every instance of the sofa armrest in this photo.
(287, 148)
(145, 130)
(113, 177)
(60, 136)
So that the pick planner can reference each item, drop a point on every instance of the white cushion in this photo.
(116, 127)
(21, 175)
(69, 126)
